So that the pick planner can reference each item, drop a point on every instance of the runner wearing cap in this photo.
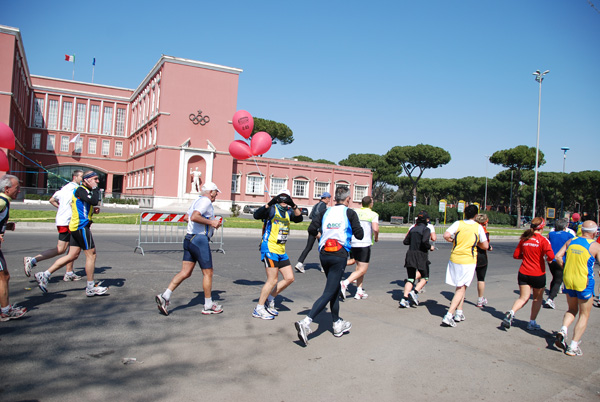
(196, 249)
(276, 215)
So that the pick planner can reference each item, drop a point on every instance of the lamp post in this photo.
(539, 77)
(486, 178)
(562, 202)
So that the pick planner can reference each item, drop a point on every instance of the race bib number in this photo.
(282, 235)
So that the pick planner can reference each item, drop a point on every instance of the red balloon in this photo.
(239, 150)
(7, 137)
(3, 162)
(261, 143)
(243, 123)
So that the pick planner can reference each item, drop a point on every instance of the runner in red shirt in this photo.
(532, 249)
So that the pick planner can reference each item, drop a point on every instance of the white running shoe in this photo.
(28, 265)
(262, 313)
(303, 331)
(97, 290)
(361, 295)
(341, 326)
(414, 299)
(300, 267)
(458, 317)
(214, 309)
(42, 281)
(71, 278)
(449, 321)
(343, 289)
(270, 307)
(163, 304)
(404, 303)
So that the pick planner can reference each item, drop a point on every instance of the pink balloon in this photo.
(261, 143)
(7, 137)
(239, 150)
(3, 162)
(243, 123)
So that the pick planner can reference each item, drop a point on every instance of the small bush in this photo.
(235, 210)
(43, 197)
(127, 201)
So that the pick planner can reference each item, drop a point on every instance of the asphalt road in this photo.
(71, 348)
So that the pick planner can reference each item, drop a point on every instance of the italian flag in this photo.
(70, 58)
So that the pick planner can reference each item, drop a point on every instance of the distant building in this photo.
(147, 143)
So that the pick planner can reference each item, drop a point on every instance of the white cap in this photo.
(210, 186)
(285, 191)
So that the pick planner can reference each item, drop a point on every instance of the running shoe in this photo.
(42, 281)
(214, 309)
(560, 341)
(550, 304)
(71, 278)
(300, 267)
(458, 317)
(482, 301)
(28, 265)
(574, 351)
(262, 313)
(361, 295)
(449, 321)
(163, 304)
(404, 303)
(97, 290)
(533, 326)
(343, 289)
(413, 298)
(14, 313)
(303, 331)
(507, 321)
(322, 270)
(341, 326)
(270, 307)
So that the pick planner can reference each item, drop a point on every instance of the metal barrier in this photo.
(167, 228)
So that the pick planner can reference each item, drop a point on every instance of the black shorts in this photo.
(63, 233)
(481, 270)
(269, 263)
(83, 239)
(361, 254)
(412, 273)
(3, 266)
(536, 282)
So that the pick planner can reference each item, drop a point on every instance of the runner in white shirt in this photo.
(61, 200)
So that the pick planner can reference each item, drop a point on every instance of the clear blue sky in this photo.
(358, 77)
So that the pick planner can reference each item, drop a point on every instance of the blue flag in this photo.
(94, 62)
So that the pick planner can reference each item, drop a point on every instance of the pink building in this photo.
(146, 143)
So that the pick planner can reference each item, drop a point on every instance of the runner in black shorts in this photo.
(417, 259)
(482, 261)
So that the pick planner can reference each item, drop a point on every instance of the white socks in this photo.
(167, 294)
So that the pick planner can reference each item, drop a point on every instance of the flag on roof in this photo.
(70, 58)
(94, 62)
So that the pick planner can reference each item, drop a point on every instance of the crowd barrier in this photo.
(169, 228)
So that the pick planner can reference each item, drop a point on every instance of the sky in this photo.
(354, 76)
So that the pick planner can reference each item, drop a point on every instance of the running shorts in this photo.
(273, 260)
(459, 274)
(82, 238)
(536, 282)
(585, 294)
(361, 254)
(63, 233)
(3, 267)
(197, 249)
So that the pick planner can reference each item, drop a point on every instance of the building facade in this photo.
(155, 143)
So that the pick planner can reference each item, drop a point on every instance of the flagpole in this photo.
(73, 66)
(93, 68)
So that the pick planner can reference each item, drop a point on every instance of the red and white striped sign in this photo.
(158, 217)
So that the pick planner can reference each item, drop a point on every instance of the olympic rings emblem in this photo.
(199, 119)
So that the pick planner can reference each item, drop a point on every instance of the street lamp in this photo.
(564, 149)
(486, 177)
(539, 77)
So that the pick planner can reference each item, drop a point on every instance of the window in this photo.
(254, 184)
(155, 135)
(51, 143)
(150, 137)
(359, 192)
(119, 148)
(38, 112)
(144, 140)
(235, 183)
(92, 146)
(78, 145)
(94, 116)
(53, 114)
(107, 126)
(81, 108)
(36, 138)
(67, 115)
(277, 185)
(300, 188)
(105, 147)
(64, 143)
(320, 188)
(121, 113)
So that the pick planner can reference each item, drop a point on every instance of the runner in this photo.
(482, 261)
(276, 216)
(557, 238)
(338, 224)
(416, 260)
(320, 207)
(196, 249)
(61, 200)
(361, 249)
(532, 273)
(581, 252)
(84, 201)
(9, 189)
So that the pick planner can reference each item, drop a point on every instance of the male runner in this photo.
(196, 249)
(61, 200)
(578, 276)
(276, 215)
(320, 207)
(84, 201)
(416, 260)
(361, 249)
(466, 235)
(338, 224)
(9, 188)
(558, 237)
